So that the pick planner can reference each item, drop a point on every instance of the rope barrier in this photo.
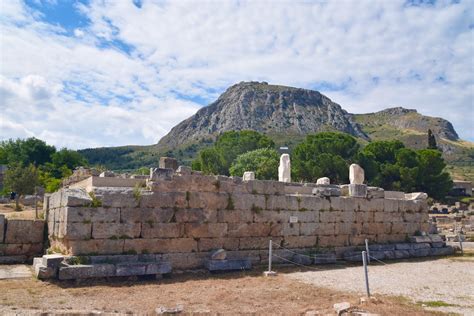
(378, 260)
(301, 254)
(296, 263)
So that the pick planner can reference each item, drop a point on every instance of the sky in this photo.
(109, 73)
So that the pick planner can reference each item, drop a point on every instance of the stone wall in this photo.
(20, 240)
(185, 216)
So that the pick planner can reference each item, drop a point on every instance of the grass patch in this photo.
(435, 304)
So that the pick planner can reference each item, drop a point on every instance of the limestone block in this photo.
(323, 190)
(116, 197)
(395, 195)
(373, 205)
(186, 260)
(324, 180)
(284, 169)
(346, 216)
(199, 230)
(73, 272)
(196, 216)
(344, 189)
(247, 201)
(300, 241)
(303, 259)
(149, 215)
(52, 261)
(298, 189)
(161, 174)
(310, 202)
(423, 252)
(162, 230)
(416, 196)
(401, 254)
(129, 269)
(356, 174)
(306, 216)
(443, 251)
(154, 245)
(28, 250)
(271, 216)
(43, 273)
(375, 193)
(228, 265)
(184, 170)
(333, 241)
(24, 231)
(76, 231)
(93, 246)
(324, 258)
(163, 199)
(257, 242)
(162, 267)
(328, 216)
(2, 227)
(398, 228)
(235, 216)
(286, 229)
(73, 214)
(358, 190)
(392, 205)
(248, 176)
(206, 244)
(248, 230)
(208, 200)
(168, 163)
(70, 197)
(282, 202)
(312, 229)
(116, 230)
(120, 258)
(345, 229)
(107, 174)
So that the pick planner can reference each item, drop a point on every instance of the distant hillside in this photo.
(287, 114)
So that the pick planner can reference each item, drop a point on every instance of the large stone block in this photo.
(168, 163)
(265, 187)
(246, 201)
(116, 197)
(196, 216)
(248, 230)
(208, 200)
(346, 228)
(235, 216)
(257, 242)
(70, 197)
(328, 216)
(228, 265)
(442, 251)
(313, 229)
(271, 216)
(300, 241)
(28, 250)
(162, 230)
(282, 202)
(24, 231)
(151, 215)
(199, 230)
(375, 193)
(160, 245)
(333, 241)
(306, 216)
(89, 214)
(164, 199)
(326, 190)
(207, 244)
(358, 190)
(116, 230)
(94, 247)
(73, 272)
(130, 269)
(186, 260)
(76, 231)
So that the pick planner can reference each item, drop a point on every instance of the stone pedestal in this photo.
(168, 163)
(249, 175)
(358, 190)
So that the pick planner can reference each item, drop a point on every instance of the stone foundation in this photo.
(183, 216)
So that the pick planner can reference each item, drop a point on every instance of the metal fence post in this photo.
(367, 249)
(270, 255)
(460, 242)
(364, 260)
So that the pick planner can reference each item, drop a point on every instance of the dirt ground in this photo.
(28, 212)
(230, 293)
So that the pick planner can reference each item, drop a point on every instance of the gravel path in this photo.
(447, 280)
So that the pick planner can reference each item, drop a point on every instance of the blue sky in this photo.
(107, 73)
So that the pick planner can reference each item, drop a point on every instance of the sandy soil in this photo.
(28, 212)
(232, 293)
(449, 281)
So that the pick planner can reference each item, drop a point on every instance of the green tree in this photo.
(21, 180)
(384, 151)
(209, 161)
(432, 177)
(264, 162)
(27, 151)
(431, 140)
(324, 155)
(69, 158)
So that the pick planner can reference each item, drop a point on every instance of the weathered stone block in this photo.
(164, 199)
(129, 269)
(152, 215)
(43, 273)
(72, 272)
(300, 241)
(97, 247)
(158, 268)
(28, 250)
(353, 256)
(117, 197)
(313, 229)
(235, 216)
(403, 246)
(76, 231)
(206, 244)
(160, 245)
(358, 190)
(198, 230)
(184, 170)
(286, 229)
(196, 216)
(228, 265)
(161, 174)
(248, 176)
(168, 163)
(443, 251)
(328, 216)
(303, 259)
(114, 259)
(265, 187)
(375, 193)
(162, 230)
(326, 190)
(246, 201)
(333, 241)
(208, 200)
(395, 195)
(392, 205)
(257, 242)
(420, 239)
(116, 230)
(345, 228)
(420, 252)
(401, 254)
(324, 258)
(24, 231)
(186, 260)
(271, 216)
(248, 230)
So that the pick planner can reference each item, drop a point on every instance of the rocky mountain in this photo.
(265, 108)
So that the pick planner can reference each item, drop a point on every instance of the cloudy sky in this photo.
(107, 73)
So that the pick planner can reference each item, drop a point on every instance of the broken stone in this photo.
(284, 170)
(168, 163)
(356, 174)
(184, 170)
(107, 174)
(169, 310)
(248, 175)
(375, 193)
(219, 254)
(341, 307)
(324, 180)
(416, 196)
(302, 259)
(228, 265)
(326, 190)
(157, 174)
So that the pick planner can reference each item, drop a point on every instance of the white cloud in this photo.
(381, 53)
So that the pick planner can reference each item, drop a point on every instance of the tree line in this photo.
(387, 164)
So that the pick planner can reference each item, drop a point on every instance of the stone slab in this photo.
(2, 227)
(24, 231)
(71, 272)
(302, 259)
(130, 269)
(228, 265)
(52, 261)
(324, 258)
(443, 251)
